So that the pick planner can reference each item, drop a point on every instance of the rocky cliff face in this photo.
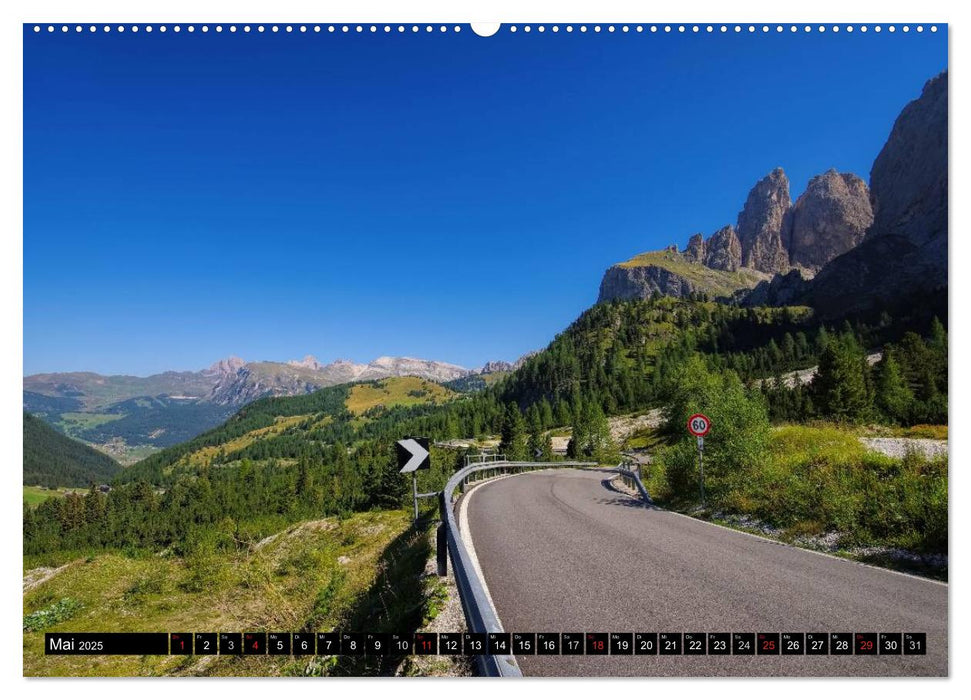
(909, 178)
(760, 224)
(695, 252)
(828, 219)
(905, 251)
(862, 244)
(642, 283)
(723, 251)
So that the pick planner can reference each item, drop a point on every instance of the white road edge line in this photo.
(730, 529)
(809, 551)
(466, 533)
(792, 546)
(467, 539)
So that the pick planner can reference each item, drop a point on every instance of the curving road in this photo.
(563, 551)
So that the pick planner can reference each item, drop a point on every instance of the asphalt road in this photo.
(563, 551)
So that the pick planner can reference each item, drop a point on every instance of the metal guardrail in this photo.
(632, 477)
(479, 613)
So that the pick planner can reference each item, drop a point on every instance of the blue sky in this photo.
(447, 196)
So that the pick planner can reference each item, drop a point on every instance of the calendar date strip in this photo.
(473, 644)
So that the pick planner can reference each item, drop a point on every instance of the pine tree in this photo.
(841, 383)
(579, 438)
(513, 442)
(892, 396)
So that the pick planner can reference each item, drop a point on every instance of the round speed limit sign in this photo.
(699, 424)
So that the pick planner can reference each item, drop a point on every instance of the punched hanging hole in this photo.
(485, 28)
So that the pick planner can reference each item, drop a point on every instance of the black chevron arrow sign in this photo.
(413, 454)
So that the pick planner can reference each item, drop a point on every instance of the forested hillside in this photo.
(51, 459)
(330, 452)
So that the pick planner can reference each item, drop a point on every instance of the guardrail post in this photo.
(441, 538)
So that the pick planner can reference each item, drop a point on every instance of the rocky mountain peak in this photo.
(494, 366)
(829, 218)
(308, 362)
(760, 224)
(904, 253)
(723, 251)
(695, 252)
(228, 366)
(908, 179)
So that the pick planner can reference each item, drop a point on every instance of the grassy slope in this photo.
(820, 479)
(315, 575)
(34, 495)
(718, 282)
(396, 391)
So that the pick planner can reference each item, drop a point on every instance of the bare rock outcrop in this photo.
(642, 282)
(905, 251)
(760, 224)
(695, 252)
(723, 251)
(829, 218)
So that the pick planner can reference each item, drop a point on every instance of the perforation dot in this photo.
(513, 29)
(527, 28)
(640, 29)
(906, 28)
(933, 28)
(583, 29)
(541, 29)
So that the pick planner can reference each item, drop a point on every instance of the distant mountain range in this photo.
(128, 417)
